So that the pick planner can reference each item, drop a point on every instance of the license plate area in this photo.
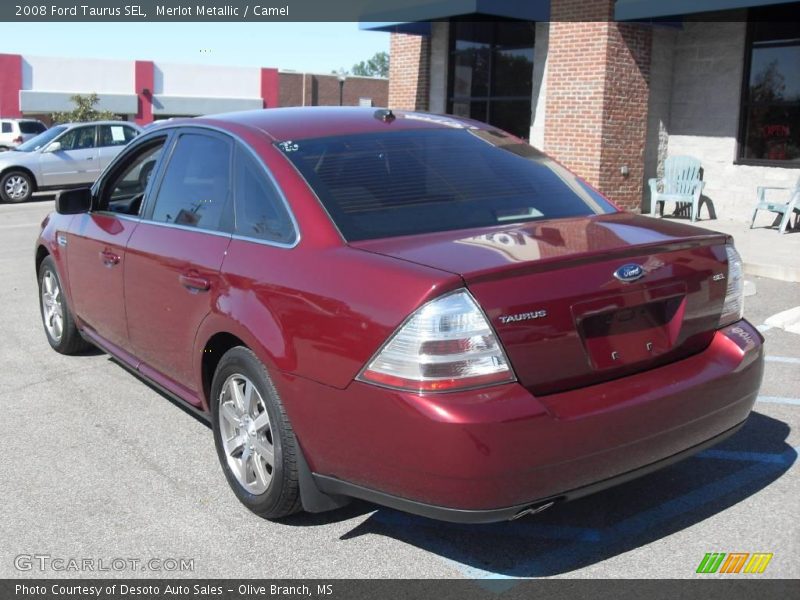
(630, 328)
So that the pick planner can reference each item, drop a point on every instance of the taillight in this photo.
(733, 307)
(446, 345)
(17, 140)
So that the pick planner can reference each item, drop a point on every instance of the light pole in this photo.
(341, 77)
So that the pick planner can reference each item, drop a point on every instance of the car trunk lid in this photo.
(565, 319)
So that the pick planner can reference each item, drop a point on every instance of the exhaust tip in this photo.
(532, 510)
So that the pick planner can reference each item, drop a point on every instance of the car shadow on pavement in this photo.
(594, 528)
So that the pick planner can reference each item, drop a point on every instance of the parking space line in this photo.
(20, 225)
(783, 359)
(779, 400)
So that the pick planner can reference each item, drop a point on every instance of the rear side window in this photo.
(6, 127)
(116, 135)
(406, 182)
(260, 211)
(31, 127)
(196, 183)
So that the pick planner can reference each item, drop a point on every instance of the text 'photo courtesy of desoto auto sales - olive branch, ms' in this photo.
(400, 299)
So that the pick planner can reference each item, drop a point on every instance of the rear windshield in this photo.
(31, 127)
(378, 185)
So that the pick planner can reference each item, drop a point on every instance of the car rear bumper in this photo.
(485, 455)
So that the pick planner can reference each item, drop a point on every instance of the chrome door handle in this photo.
(109, 258)
(194, 283)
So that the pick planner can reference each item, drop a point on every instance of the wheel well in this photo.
(28, 172)
(41, 254)
(213, 352)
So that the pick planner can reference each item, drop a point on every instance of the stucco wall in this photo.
(440, 50)
(171, 79)
(539, 90)
(707, 70)
(78, 75)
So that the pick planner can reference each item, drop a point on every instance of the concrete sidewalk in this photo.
(766, 253)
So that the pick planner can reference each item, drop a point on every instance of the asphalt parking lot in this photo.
(98, 465)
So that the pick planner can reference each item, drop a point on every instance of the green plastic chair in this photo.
(787, 209)
(681, 184)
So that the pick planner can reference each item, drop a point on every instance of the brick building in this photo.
(144, 91)
(612, 87)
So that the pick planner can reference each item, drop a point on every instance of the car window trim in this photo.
(146, 214)
(241, 146)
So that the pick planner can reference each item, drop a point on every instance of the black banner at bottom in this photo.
(734, 588)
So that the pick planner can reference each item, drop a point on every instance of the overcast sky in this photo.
(312, 47)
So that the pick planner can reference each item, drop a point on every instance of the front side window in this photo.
(41, 140)
(124, 191)
(116, 135)
(418, 181)
(770, 128)
(195, 187)
(79, 138)
(260, 212)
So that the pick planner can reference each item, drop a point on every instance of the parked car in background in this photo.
(14, 132)
(420, 311)
(64, 156)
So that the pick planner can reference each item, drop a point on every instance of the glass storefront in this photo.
(491, 73)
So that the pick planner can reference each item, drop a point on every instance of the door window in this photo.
(260, 211)
(116, 135)
(80, 138)
(127, 184)
(195, 187)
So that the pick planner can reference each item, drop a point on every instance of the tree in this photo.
(377, 66)
(84, 111)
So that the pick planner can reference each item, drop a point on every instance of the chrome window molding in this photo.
(238, 141)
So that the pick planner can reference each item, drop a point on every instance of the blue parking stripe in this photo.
(779, 400)
(577, 552)
(521, 528)
(744, 456)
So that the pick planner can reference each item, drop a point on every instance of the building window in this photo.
(491, 73)
(770, 117)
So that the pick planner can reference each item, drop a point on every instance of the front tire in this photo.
(255, 443)
(59, 325)
(16, 186)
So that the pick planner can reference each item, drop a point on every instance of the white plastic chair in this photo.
(681, 183)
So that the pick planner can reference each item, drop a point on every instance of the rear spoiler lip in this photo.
(578, 259)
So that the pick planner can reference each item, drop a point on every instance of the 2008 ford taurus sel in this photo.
(420, 311)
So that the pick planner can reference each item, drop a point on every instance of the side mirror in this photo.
(73, 202)
(54, 147)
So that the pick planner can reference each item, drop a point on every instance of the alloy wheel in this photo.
(246, 434)
(16, 187)
(52, 307)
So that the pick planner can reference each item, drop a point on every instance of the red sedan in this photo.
(416, 310)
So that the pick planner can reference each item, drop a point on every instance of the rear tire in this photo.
(59, 325)
(255, 443)
(16, 186)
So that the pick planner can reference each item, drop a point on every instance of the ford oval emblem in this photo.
(629, 272)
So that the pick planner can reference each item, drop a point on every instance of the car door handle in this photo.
(109, 258)
(194, 283)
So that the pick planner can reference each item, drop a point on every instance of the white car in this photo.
(14, 132)
(64, 156)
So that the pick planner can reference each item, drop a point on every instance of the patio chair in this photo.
(681, 184)
(787, 209)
